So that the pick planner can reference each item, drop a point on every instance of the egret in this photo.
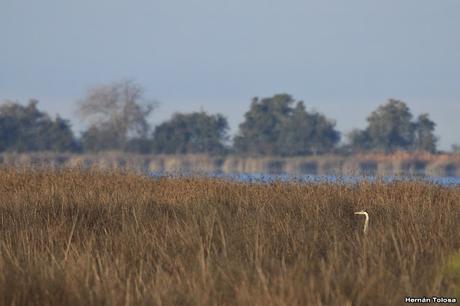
(366, 222)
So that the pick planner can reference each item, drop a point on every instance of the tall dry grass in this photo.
(96, 238)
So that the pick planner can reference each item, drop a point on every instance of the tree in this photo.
(116, 112)
(101, 138)
(139, 145)
(425, 140)
(359, 140)
(281, 126)
(196, 132)
(390, 127)
(59, 136)
(25, 128)
(307, 133)
(264, 122)
(296, 133)
(325, 137)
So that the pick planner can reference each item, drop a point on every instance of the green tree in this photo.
(264, 122)
(307, 133)
(296, 133)
(325, 137)
(116, 113)
(25, 128)
(359, 140)
(142, 145)
(425, 140)
(196, 132)
(390, 127)
(279, 125)
(58, 136)
(101, 138)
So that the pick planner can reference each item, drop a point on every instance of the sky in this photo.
(342, 58)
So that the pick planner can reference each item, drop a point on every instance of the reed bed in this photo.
(74, 237)
(399, 163)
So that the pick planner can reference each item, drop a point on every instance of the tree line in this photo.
(117, 119)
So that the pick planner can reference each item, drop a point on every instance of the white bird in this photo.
(366, 222)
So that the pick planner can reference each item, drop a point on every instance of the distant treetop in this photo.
(26, 129)
(280, 125)
(196, 132)
(391, 128)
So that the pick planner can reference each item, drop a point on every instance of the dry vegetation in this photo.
(95, 238)
(406, 163)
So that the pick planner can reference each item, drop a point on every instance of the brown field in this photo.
(72, 237)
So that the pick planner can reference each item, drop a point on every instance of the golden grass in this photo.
(96, 238)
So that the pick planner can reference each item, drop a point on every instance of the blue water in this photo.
(271, 178)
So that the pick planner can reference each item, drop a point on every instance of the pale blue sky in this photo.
(343, 58)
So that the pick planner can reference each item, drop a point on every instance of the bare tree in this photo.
(118, 109)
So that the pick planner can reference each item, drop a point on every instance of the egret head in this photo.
(366, 221)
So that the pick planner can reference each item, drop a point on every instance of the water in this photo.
(271, 178)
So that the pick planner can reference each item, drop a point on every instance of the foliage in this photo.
(116, 112)
(359, 140)
(101, 139)
(281, 126)
(25, 128)
(424, 139)
(196, 132)
(390, 128)
(307, 133)
(142, 145)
